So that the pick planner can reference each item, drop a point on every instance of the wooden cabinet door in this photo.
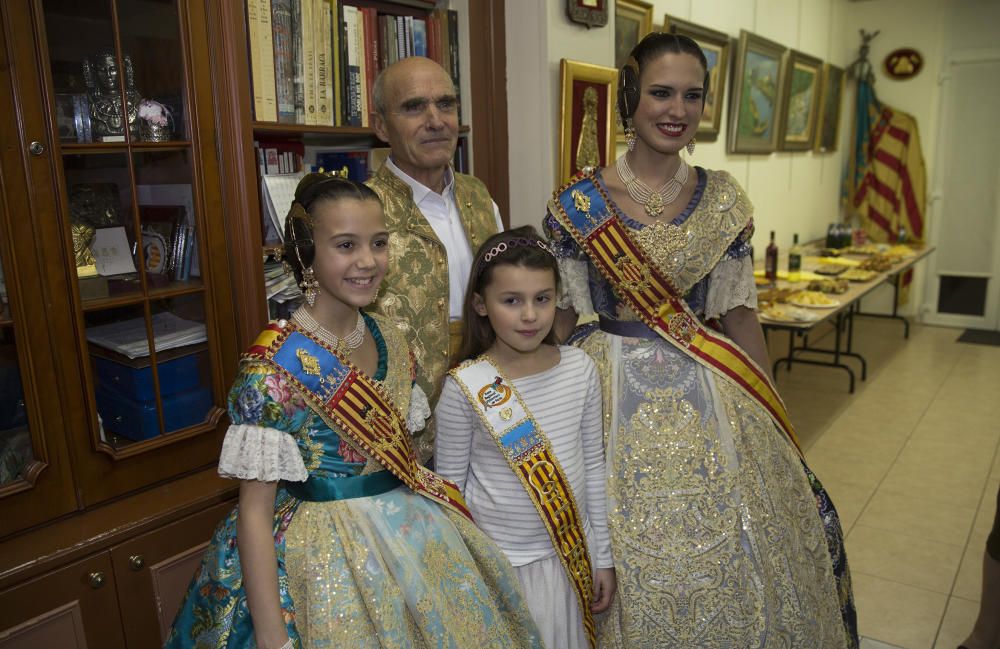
(72, 608)
(36, 480)
(134, 268)
(153, 571)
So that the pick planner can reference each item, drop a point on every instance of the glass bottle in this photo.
(771, 260)
(795, 260)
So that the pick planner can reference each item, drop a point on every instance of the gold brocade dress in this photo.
(363, 561)
(721, 536)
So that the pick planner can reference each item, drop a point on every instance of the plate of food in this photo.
(859, 275)
(786, 313)
(813, 300)
(835, 286)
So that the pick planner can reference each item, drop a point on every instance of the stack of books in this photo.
(314, 61)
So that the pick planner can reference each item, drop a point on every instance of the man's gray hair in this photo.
(378, 92)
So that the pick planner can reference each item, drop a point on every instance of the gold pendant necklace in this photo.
(652, 201)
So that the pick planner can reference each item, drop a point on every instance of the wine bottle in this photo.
(771, 260)
(795, 260)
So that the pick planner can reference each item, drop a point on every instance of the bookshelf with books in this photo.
(312, 98)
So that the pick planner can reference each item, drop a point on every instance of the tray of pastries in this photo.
(812, 300)
(834, 286)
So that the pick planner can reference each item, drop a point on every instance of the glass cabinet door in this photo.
(135, 218)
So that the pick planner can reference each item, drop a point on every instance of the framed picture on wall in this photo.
(755, 107)
(716, 46)
(633, 20)
(828, 130)
(592, 13)
(801, 95)
(587, 125)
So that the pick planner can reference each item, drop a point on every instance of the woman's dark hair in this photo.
(518, 247)
(651, 47)
(314, 188)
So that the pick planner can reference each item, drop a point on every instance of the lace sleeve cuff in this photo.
(259, 453)
(420, 410)
(730, 285)
(575, 290)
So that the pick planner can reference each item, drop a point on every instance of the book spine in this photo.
(284, 70)
(400, 37)
(322, 61)
(336, 67)
(408, 26)
(345, 75)
(444, 46)
(362, 68)
(267, 60)
(309, 61)
(254, 44)
(453, 55)
(371, 58)
(298, 73)
(353, 66)
(419, 37)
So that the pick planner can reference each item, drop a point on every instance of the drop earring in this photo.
(630, 136)
(309, 285)
(690, 146)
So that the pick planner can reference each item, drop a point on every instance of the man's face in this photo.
(421, 118)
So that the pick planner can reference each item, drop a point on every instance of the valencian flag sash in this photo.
(359, 407)
(587, 214)
(529, 454)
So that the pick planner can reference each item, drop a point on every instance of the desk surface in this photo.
(855, 291)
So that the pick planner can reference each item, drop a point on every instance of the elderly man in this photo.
(437, 218)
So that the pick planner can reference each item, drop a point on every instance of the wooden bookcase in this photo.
(98, 531)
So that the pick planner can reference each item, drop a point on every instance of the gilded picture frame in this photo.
(717, 47)
(828, 129)
(633, 20)
(800, 101)
(587, 123)
(755, 100)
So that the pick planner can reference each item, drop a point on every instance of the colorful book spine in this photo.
(419, 37)
(284, 65)
(371, 59)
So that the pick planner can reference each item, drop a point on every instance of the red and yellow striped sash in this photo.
(529, 454)
(588, 215)
(348, 399)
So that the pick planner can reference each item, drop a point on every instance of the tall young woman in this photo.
(716, 537)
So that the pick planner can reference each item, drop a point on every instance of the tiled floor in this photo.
(911, 461)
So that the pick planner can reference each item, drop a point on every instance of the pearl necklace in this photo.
(641, 193)
(342, 345)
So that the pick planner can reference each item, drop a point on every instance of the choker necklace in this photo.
(342, 345)
(641, 193)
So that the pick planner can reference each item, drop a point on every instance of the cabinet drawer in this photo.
(75, 606)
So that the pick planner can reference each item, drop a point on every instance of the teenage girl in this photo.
(519, 431)
(340, 538)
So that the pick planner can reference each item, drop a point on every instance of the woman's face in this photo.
(671, 101)
(352, 250)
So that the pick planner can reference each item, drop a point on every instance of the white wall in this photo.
(792, 192)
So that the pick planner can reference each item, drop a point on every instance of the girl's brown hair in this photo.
(518, 247)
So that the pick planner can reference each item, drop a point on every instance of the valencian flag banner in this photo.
(886, 181)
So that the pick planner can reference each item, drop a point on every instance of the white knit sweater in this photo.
(566, 403)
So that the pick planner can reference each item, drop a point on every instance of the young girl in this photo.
(340, 538)
(519, 432)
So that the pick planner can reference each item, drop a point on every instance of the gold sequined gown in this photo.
(715, 532)
(363, 562)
